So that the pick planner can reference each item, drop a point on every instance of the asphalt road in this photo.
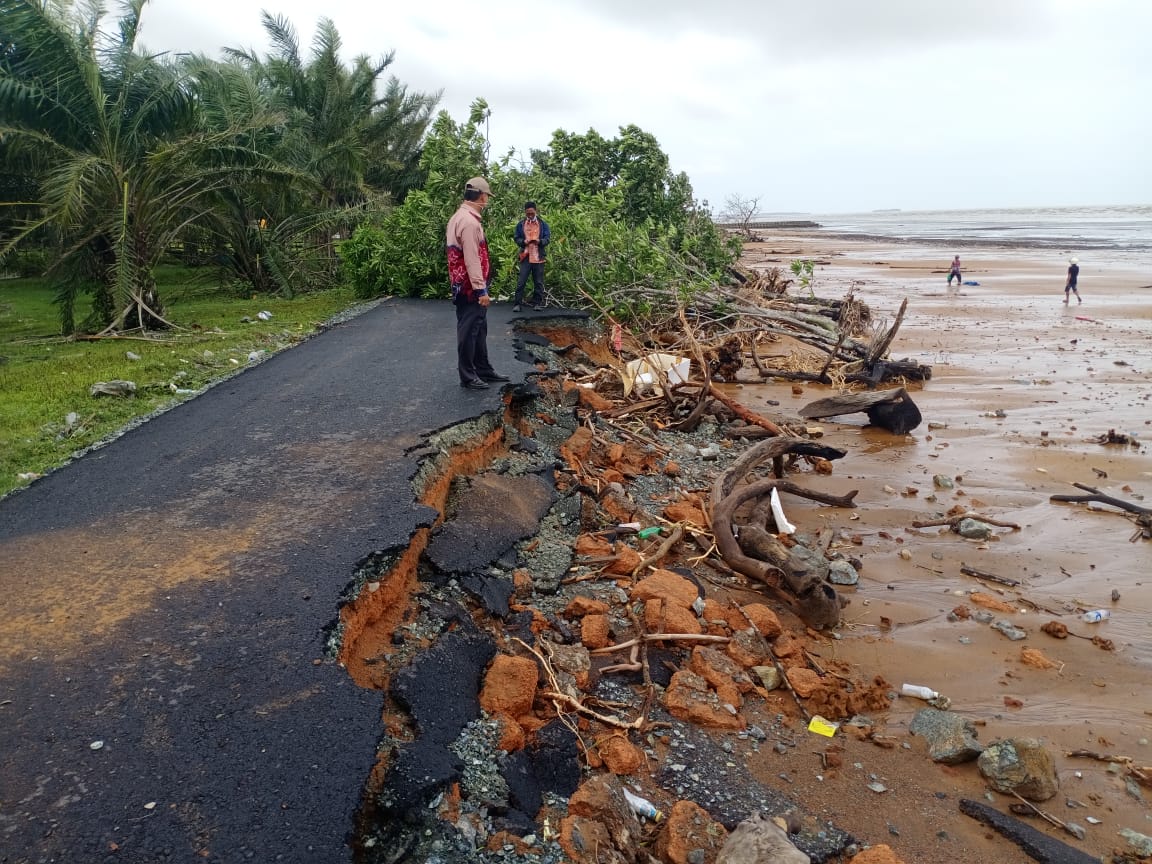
(167, 595)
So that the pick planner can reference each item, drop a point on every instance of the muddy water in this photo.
(1007, 345)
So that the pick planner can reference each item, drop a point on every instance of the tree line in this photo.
(291, 171)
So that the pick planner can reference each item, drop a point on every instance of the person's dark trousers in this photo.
(537, 271)
(472, 341)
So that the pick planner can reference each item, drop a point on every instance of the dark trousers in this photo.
(472, 341)
(537, 271)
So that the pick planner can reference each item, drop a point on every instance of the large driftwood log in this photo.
(893, 410)
(1143, 514)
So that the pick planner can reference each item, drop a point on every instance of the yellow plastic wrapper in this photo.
(822, 727)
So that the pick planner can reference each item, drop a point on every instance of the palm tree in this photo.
(125, 166)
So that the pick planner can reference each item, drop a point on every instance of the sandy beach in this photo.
(1023, 385)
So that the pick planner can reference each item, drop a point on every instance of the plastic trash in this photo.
(919, 691)
(645, 533)
(643, 807)
(1095, 616)
(264, 315)
(783, 526)
(820, 726)
(643, 373)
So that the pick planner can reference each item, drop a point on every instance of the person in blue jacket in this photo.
(532, 236)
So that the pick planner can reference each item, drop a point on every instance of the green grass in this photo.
(44, 378)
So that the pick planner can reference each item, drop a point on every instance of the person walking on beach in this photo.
(955, 271)
(532, 236)
(470, 274)
(1073, 276)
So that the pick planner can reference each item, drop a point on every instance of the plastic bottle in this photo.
(918, 691)
(643, 807)
(1095, 615)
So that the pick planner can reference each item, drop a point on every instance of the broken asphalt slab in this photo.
(167, 597)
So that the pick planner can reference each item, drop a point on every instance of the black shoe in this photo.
(474, 384)
(516, 308)
(495, 376)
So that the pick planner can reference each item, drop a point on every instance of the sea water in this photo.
(1075, 229)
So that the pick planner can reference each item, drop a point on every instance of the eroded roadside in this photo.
(511, 728)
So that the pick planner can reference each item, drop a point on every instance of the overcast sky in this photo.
(819, 106)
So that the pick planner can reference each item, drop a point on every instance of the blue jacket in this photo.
(545, 237)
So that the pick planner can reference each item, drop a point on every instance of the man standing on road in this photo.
(469, 273)
(1073, 276)
(532, 236)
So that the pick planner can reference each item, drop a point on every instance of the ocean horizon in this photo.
(1116, 228)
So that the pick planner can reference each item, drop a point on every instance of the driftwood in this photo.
(813, 599)
(1143, 514)
(893, 410)
(989, 577)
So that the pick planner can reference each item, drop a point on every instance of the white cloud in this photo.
(829, 105)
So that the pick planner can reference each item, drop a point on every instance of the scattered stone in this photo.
(747, 648)
(878, 788)
(842, 573)
(881, 854)
(1077, 831)
(988, 601)
(667, 586)
(1035, 658)
(1008, 629)
(951, 738)
(600, 826)
(595, 631)
(688, 697)
(1142, 843)
(765, 619)
(131, 355)
(769, 676)
(581, 605)
(510, 686)
(669, 617)
(973, 529)
(722, 673)
(804, 681)
(113, 388)
(942, 481)
(1020, 765)
(620, 755)
(690, 836)
(672, 469)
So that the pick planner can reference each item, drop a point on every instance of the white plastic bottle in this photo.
(1095, 615)
(918, 691)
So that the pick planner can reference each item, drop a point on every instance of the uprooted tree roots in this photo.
(758, 554)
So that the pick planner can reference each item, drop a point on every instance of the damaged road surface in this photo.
(167, 695)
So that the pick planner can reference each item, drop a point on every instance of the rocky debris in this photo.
(619, 755)
(951, 738)
(973, 529)
(881, 854)
(113, 388)
(769, 676)
(689, 835)
(600, 827)
(690, 698)
(667, 587)
(1008, 629)
(492, 591)
(1141, 843)
(698, 767)
(988, 601)
(1020, 765)
(842, 573)
(1038, 845)
(766, 621)
(759, 839)
(510, 686)
(1037, 659)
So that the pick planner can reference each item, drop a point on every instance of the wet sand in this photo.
(1008, 345)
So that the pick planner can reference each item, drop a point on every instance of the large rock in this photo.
(759, 840)
(764, 618)
(510, 686)
(804, 681)
(607, 829)
(881, 854)
(722, 672)
(951, 738)
(1020, 765)
(620, 755)
(690, 836)
(748, 648)
(667, 586)
(661, 616)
